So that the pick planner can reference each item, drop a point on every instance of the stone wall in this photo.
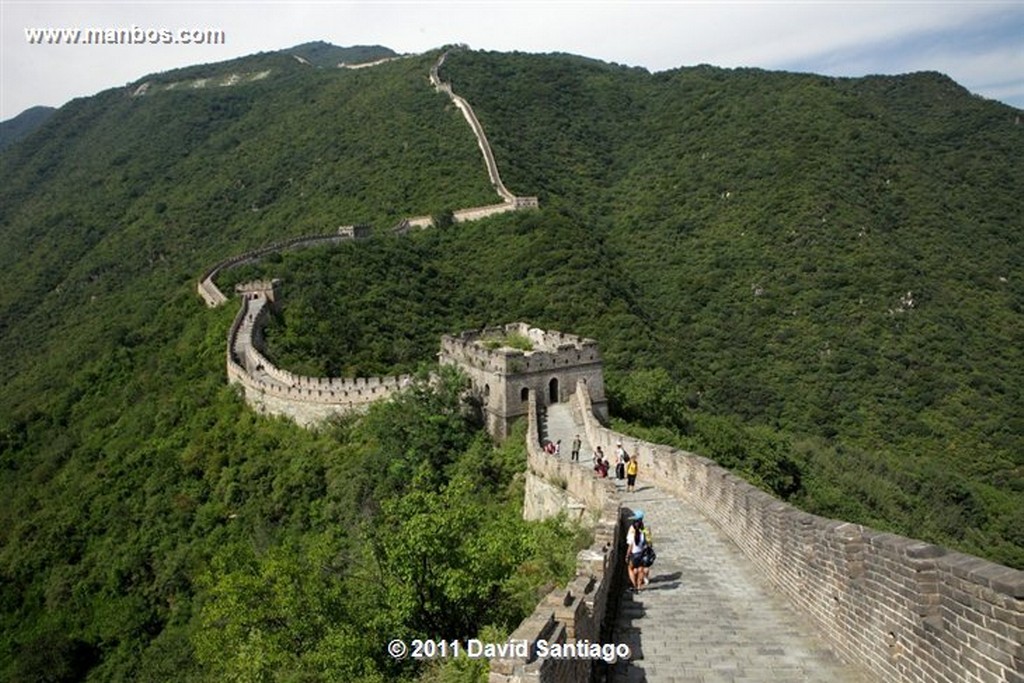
(476, 213)
(309, 400)
(544, 499)
(504, 376)
(306, 400)
(578, 611)
(904, 609)
(212, 295)
(474, 123)
(555, 350)
(511, 201)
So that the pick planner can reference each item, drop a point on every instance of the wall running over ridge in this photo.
(906, 610)
(309, 400)
(478, 130)
(903, 609)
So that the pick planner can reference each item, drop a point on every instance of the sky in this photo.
(977, 43)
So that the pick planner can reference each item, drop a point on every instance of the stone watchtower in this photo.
(505, 363)
(267, 289)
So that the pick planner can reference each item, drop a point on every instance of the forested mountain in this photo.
(816, 281)
(320, 53)
(21, 125)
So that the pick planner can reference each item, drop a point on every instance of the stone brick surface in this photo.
(707, 615)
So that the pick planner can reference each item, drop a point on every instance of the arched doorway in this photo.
(524, 395)
(553, 391)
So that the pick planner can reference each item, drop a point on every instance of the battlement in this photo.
(211, 294)
(275, 391)
(505, 363)
(500, 350)
(267, 289)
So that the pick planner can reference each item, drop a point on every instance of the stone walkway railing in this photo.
(902, 609)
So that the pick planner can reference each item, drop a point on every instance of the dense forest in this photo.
(815, 281)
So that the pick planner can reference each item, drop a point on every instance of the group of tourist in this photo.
(640, 549)
(626, 466)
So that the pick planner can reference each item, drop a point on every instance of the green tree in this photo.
(444, 560)
(281, 616)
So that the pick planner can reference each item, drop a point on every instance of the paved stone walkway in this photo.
(706, 616)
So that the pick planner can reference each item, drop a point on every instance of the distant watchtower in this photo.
(267, 289)
(505, 363)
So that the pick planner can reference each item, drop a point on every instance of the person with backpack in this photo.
(636, 542)
(632, 467)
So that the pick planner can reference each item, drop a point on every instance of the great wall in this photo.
(747, 587)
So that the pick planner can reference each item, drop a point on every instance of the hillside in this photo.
(326, 55)
(139, 491)
(814, 280)
(21, 125)
(837, 259)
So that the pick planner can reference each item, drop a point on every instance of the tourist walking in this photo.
(632, 467)
(575, 453)
(636, 541)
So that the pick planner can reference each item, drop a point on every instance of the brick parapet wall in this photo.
(903, 609)
(557, 350)
(211, 294)
(578, 611)
(307, 400)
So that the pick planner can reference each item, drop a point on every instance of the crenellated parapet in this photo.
(493, 349)
(501, 376)
(212, 295)
(503, 372)
(272, 390)
(903, 609)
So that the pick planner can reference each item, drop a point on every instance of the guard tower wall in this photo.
(502, 376)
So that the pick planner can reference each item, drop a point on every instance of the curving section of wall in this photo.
(212, 295)
(309, 400)
(904, 609)
(271, 390)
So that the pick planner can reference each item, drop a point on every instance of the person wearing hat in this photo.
(621, 455)
(636, 540)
